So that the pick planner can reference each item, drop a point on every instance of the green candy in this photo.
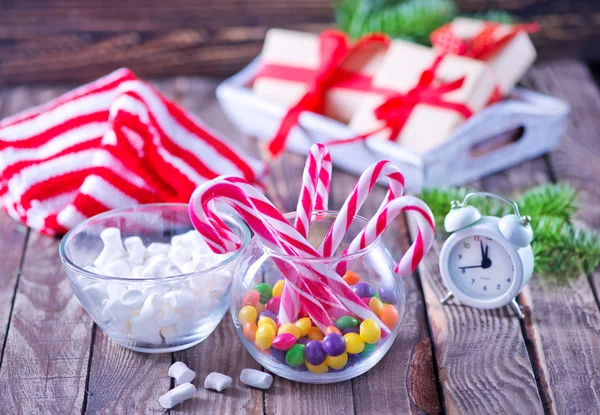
(369, 348)
(376, 295)
(295, 355)
(346, 322)
(265, 291)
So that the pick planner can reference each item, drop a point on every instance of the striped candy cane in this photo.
(356, 199)
(271, 226)
(378, 224)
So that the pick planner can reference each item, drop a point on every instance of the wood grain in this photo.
(80, 40)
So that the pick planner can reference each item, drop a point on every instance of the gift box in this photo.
(435, 93)
(507, 49)
(292, 62)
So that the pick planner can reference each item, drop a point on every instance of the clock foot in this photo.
(446, 298)
(515, 306)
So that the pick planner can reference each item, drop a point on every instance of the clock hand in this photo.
(486, 262)
(471, 266)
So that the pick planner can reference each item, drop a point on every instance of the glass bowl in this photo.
(258, 283)
(151, 314)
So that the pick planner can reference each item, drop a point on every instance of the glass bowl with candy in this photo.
(147, 278)
(295, 316)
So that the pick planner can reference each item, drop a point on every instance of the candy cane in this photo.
(386, 214)
(270, 225)
(356, 199)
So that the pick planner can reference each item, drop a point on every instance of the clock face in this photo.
(481, 268)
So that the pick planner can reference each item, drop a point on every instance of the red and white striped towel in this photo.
(113, 143)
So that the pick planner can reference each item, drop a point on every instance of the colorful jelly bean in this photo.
(251, 297)
(265, 291)
(278, 355)
(388, 295)
(277, 288)
(389, 316)
(267, 313)
(369, 348)
(315, 334)
(273, 304)
(295, 355)
(370, 331)
(284, 341)
(362, 289)
(250, 331)
(332, 329)
(351, 277)
(366, 300)
(337, 362)
(267, 321)
(350, 330)
(247, 314)
(314, 353)
(345, 322)
(319, 369)
(264, 336)
(375, 305)
(354, 343)
(260, 308)
(334, 344)
(304, 325)
(289, 328)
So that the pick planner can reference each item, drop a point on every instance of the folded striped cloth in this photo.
(113, 143)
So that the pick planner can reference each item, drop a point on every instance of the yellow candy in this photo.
(289, 328)
(264, 336)
(370, 331)
(247, 314)
(337, 362)
(259, 307)
(375, 305)
(354, 344)
(314, 334)
(322, 368)
(303, 325)
(278, 288)
(268, 321)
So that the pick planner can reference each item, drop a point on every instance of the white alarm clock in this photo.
(487, 260)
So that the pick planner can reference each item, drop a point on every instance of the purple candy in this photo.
(278, 355)
(362, 289)
(267, 313)
(388, 295)
(351, 330)
(354, 359)
(334, 344)
(314, 353)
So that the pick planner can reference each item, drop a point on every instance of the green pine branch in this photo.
(561, 251)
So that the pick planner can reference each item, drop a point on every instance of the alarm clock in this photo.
(487, 260)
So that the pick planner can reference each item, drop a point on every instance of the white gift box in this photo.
(525, 125)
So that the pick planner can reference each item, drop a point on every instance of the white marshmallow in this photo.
(256, 378)
(115, 310)
(145, 330)
(183, 240)
(96, 293)
(217, 381)
(170, 335)
(157, 248)
(160, 289)
(167, 318)
(180, 255)
(181, 373)
(137, 272)
(118, 268)
(197, 240)
(153, 305)
(112, 237)
(156, 267)
(177, 395)
(205, 301)
(115, 291)
(135, 249)
(220, 284)
(181, 300)
(133, 298)
(188, 267)
(173, 270)
(108, 255)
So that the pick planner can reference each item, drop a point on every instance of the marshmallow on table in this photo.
(177, 395)
(135, 250)
(181, 373)
(256, 378)
(217, 381)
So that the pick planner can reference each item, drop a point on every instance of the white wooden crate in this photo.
(523, 126)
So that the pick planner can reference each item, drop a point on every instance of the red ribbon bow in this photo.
(334, 48)
(483, 45)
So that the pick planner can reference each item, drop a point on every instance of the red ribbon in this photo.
(396, 110)
(334, 48)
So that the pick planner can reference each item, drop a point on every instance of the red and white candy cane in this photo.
(356, 199)
(378, 224)
(271, 226)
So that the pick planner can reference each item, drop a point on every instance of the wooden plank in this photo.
(79, 41)
(405, 377)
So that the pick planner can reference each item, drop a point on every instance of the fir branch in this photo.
(549, 200)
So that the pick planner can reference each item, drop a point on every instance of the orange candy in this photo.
(260, 307)
(250, 331)
(351, 277)
(314, 333)
(375, 305)
(333, 329)
(251, 297)
(389, 316)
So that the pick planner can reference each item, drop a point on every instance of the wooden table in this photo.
(446, 359)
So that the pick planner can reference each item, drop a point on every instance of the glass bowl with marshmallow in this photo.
(147, 278)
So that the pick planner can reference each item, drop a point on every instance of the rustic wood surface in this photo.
(78, 40)
(451, 358)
